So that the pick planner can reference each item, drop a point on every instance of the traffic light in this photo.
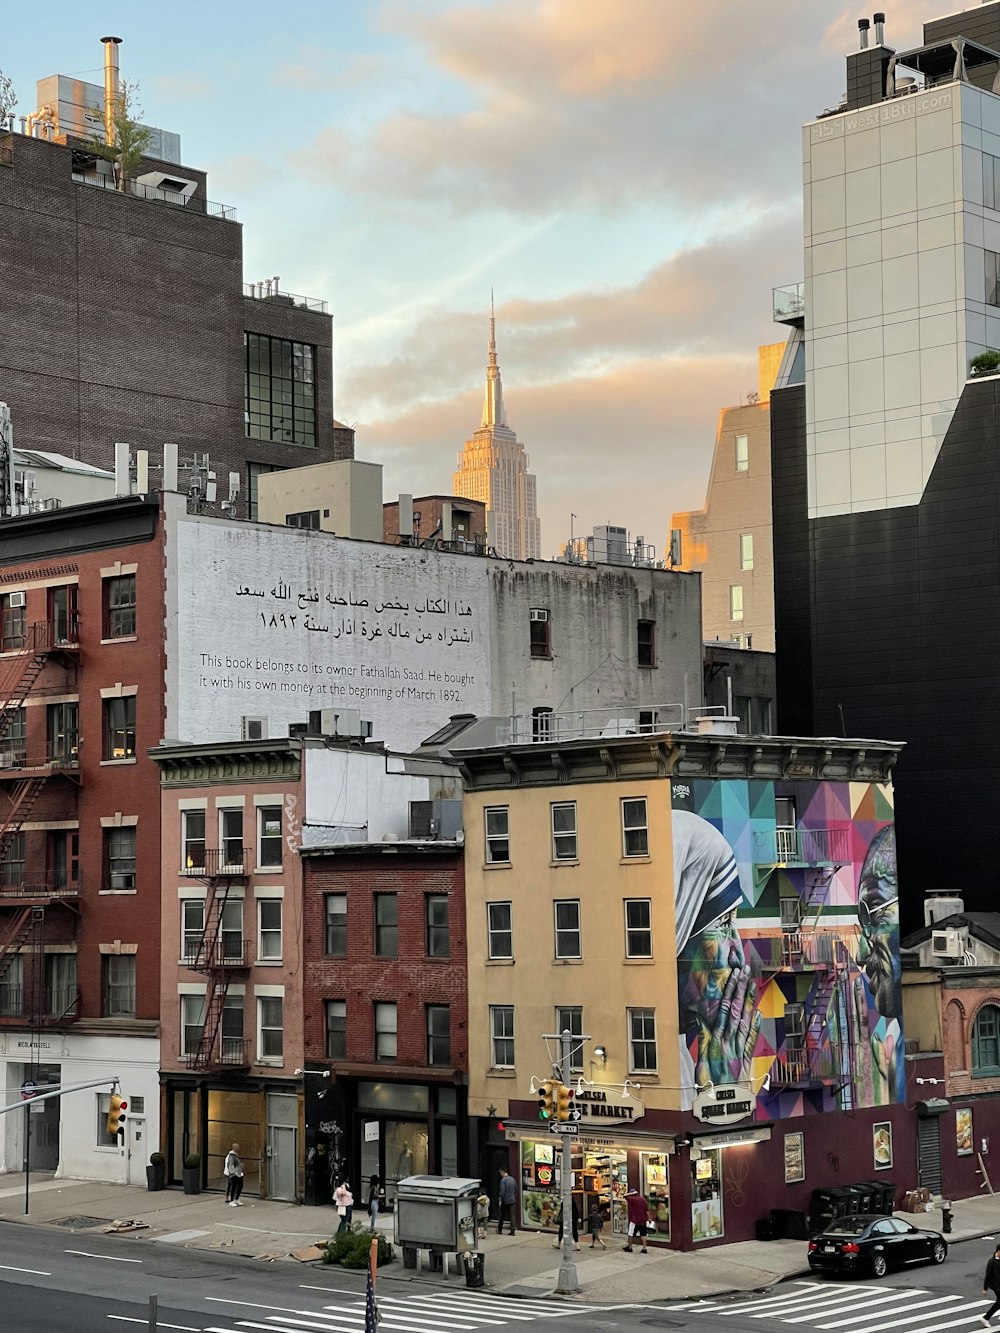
(546, 1095)
(564, 1097)
(116, 1114)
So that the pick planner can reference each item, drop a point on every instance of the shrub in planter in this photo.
(192, 1173)
(986, 363)
(156, 1171)
(351, 1249)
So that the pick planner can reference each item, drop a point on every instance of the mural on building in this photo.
(787, 926)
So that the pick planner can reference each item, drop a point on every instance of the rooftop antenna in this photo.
(6, 462)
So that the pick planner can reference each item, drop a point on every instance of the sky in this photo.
(625, 177)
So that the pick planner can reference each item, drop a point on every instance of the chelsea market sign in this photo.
(607, 1107)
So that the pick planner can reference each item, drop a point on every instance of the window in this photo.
(336, 925)
(635, 830)
(60, 984)
(62, 858)
(193, 839)
(385, 1031)
(436, 909)
(192, 927)
(642, 1040)
(742, 453)
(502, 1036)
(567, 913)
(986, 1041)
(539, 632)
(541, 724)
(438, 1034)
(992, 276)
(571, 1019)
(991, 181)
(231, 836)
(336, 1029)
(104, 1139)
(62, 725)
(119, 607)
(638, 928)
(12, 989)
(746, 550)
(119, 858)
(795, 1028)
(269, 836)
(270, 1040)
(63, 613)
(497, 834)
(254, 472)
(499, 930)
(233, 1041)
(118, 985)
(308, 518)
(13, 747)
(785, 836)
(13, 621)
(12, 862)
(268, 929)
(386, 925)
(231, 931)
(280, 390)
(646, 643)
(563, 830)
(192, 1023)
(119, 727)
(736, 602)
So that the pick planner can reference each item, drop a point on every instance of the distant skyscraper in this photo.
(493, 468)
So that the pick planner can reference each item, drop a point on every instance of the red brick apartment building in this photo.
(81, 654)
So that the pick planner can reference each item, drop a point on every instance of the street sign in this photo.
(28, 1090)
(562, 1127)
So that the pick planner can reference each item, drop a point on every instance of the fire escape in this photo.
(26, 891)
(221, 955)
(820, 1036)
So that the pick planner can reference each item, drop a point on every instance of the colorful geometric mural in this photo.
(787, 929)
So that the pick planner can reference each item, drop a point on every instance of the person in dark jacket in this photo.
(638, 1213)
(991, 1283)
(508, 1197)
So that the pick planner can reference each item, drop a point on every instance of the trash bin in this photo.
(475, 1269)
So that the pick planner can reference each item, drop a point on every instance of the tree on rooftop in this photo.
(131, 140)
(8, 99)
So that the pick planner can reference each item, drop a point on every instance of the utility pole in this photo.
(568, 1281)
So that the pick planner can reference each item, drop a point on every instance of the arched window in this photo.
(986, 1041)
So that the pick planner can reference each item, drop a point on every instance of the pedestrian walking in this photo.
(508, 1197)
(638, 1212)
(344, 1201)
(991, 1283)
(232, 1169)
(376, 1197)
(595, 1225)
(483, 1214)
(575, 1214)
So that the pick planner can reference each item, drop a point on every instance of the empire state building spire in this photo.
(493, 413)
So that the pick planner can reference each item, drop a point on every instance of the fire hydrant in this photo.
(946, 1218)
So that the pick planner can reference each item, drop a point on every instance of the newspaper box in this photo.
(435, 1213)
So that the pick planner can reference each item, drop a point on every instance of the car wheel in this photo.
(939, 1252)
(878, 1265)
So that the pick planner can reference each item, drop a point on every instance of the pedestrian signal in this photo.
(546, 1095)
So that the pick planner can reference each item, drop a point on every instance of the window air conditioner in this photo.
(947, 943)
(123, 879)
(16, 599)
(9, 759)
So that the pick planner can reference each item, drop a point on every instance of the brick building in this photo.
(467, 521)
(126, 318)
(386, 1028)
(81, 656)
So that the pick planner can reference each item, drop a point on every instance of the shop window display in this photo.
(654, 1183)
(706, 1196)
(599, 1177)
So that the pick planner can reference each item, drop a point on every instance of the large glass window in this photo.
(254, 472)
(119, 858)
(119, 607)
(638, 928)
(497, 834)
(335, 944)
(502, 1036)
(567, 924)
(192, 1023)
(642, 1040)
(336, 1029)
(499, 930)
(438, 1034)
(385, 1031)
(119, 727)
(436, 909)
(280, 390)
(119, 985)
(63, 732)
(386, 925)
(233, 1041)
(986, 1041)
(60, 984)
(563, 830)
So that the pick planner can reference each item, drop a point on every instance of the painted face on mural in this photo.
(878, 916)
(706, 964)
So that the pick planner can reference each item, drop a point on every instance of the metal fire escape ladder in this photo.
(19, 928)
(22, 799)
(24, 671)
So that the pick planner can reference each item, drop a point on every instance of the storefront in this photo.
(708, 1222)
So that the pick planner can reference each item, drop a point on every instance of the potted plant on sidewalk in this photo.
(156, 1171)
(192, 1173)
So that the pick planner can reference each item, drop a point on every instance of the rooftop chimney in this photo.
(879, 21)
(863, 26)
(111, 45)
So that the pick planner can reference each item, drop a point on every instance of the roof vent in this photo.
(715, 724)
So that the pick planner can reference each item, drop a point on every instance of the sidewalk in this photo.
(521, 1265)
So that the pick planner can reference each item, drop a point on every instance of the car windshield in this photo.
(849, 1226)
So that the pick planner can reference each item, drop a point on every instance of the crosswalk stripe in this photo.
(441, 1307)
(922, 1305)
(504, 1303)
(934, 1327)
(841, 1303)
(809, 1303)
(805, 1288)
(387, 1305)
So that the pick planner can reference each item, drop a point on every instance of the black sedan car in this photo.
(873, 1245)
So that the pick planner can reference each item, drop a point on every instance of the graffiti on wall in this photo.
(787, 926)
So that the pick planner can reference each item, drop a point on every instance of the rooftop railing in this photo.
(789, 303)
(590, 723)
(139, 191)
(258, 291)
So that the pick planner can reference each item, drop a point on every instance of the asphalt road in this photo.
(924, 1298)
